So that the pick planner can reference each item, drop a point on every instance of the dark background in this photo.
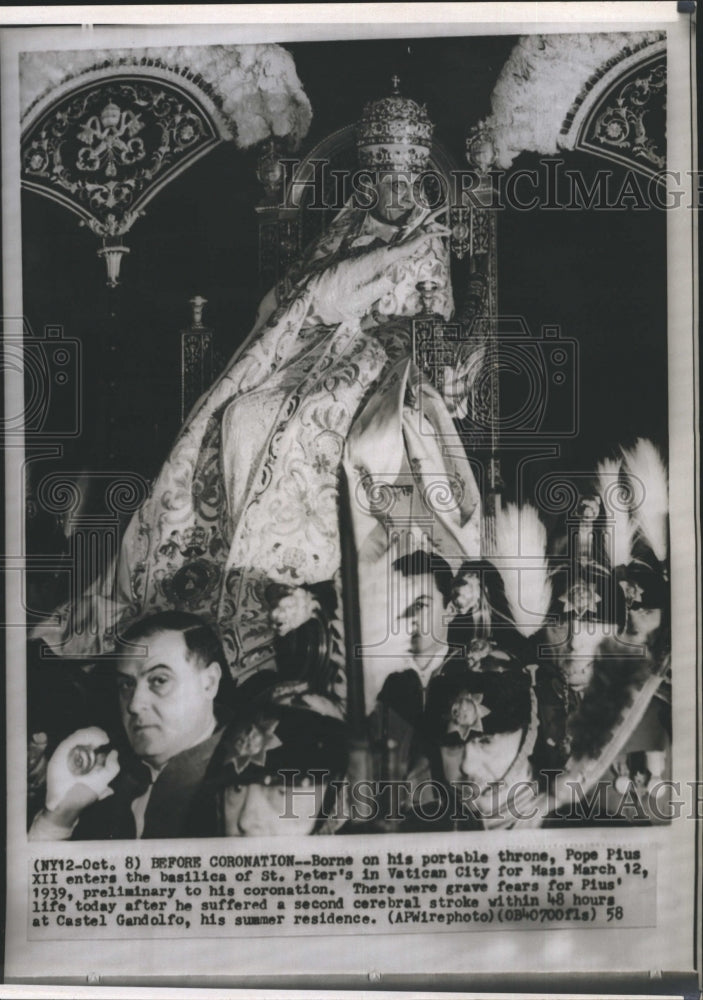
(598, 275)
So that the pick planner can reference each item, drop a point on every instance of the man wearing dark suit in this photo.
(160, 784)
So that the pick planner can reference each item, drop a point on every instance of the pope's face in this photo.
(482, 759)
(166, 698)
(272, 810)
(396, 197)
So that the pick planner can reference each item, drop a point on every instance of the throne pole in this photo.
(483, 249)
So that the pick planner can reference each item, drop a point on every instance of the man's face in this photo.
(643, 622)
(576, 665)
(166, 699)
(482, 759)
(577, 672)
(396, 197)
(272, 810)
(424, 614)
(466, 593)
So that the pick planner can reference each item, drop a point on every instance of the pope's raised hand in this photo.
(348, 289)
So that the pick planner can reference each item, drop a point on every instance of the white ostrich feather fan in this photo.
(647, 471)
(621, 527)
(521, 546)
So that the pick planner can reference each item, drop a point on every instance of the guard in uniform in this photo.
(481, 728)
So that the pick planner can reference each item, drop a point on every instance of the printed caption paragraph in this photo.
(172, 893)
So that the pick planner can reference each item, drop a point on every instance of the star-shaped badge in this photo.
(467, 715)
(581, 598)
(252, 746)
(633, 593)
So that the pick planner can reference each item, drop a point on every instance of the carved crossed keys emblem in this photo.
(110, 139)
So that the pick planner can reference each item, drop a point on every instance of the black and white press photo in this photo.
(350, 457)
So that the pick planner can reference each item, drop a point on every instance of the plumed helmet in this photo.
(465, 700)
(280, 733)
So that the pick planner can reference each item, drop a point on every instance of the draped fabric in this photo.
(250, 490)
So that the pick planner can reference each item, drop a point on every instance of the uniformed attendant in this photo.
(423, 588)
(481, 728)
(278, 765)
(481, 609)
